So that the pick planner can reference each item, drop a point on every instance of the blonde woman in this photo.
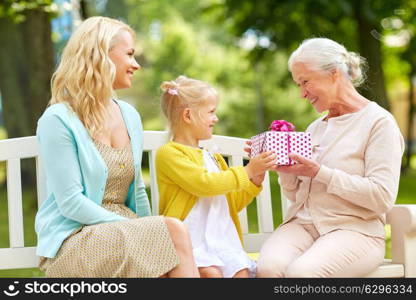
(198, 187)
(96, 219)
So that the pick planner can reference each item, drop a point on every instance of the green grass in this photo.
(407, 195)
(3, 135)
(407, 188)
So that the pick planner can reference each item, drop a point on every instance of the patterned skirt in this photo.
(138, 247)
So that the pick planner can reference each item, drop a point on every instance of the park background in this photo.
(239, 46)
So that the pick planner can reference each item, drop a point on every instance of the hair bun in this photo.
(356, 65)
(166, 85)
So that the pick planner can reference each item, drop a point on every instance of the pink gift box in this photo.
(282, 143)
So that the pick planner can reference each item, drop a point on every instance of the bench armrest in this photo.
(402, 219)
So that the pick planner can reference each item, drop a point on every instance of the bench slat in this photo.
(154, 139)
(264, 207)
(18, 258)
(153, 183)
(14, 203)
(254, 241)
(387, 269)
(234, 161)
(24, 147)
(40, 181)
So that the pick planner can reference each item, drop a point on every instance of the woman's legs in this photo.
(340, 253)
(287, 243)
(183, 247)
(297, 250)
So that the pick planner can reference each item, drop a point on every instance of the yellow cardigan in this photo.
(182, 179)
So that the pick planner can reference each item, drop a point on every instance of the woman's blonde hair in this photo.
(85, 75)
(181, 93)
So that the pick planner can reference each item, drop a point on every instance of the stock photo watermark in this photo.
(74, 288)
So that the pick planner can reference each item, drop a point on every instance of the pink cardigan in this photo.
(360, 156)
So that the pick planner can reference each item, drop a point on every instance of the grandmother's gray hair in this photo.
(323, 54)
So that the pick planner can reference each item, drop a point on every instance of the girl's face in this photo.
(204, 118)
(318, 87)
(122, 55)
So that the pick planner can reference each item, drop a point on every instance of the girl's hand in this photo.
(304, 167)
(258, 180)
(260, 164)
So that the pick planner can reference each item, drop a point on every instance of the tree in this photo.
(26, 63)
(286, 23)
(402, 26)
(26, 66)
(185, 37)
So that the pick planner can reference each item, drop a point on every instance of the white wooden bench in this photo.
(402, 218)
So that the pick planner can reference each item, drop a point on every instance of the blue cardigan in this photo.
(76, 176)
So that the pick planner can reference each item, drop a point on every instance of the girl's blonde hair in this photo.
(85, 75)
(181, 93)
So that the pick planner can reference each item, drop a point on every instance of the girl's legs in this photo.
(210, 272)
(183, 247)
(242, 274)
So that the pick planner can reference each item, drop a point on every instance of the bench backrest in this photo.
(13, 150)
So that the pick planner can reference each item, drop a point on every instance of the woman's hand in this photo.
(248, 148)
(304, 167)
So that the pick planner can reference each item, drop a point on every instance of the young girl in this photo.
(198, 187)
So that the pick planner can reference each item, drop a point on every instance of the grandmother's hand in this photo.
(304, 167)
(248, 148)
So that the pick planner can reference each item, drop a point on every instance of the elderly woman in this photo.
(335, 224)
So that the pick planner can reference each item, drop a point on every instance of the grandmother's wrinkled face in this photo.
(318, 87)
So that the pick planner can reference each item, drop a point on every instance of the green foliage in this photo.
(286, 23)
(185, 38)
(15, 9)
(3, 135)
(202, 39)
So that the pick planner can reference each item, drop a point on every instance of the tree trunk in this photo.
(84, 10)
(410, 120)
(260, 106)
(12, 80)
(39, 64)
(370, 48)
(26, 66)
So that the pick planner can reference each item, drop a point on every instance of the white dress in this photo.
(213, 234)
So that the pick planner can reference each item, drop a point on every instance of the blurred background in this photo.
(241, 47)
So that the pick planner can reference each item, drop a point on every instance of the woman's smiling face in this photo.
(122, 55)
(318, 87)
